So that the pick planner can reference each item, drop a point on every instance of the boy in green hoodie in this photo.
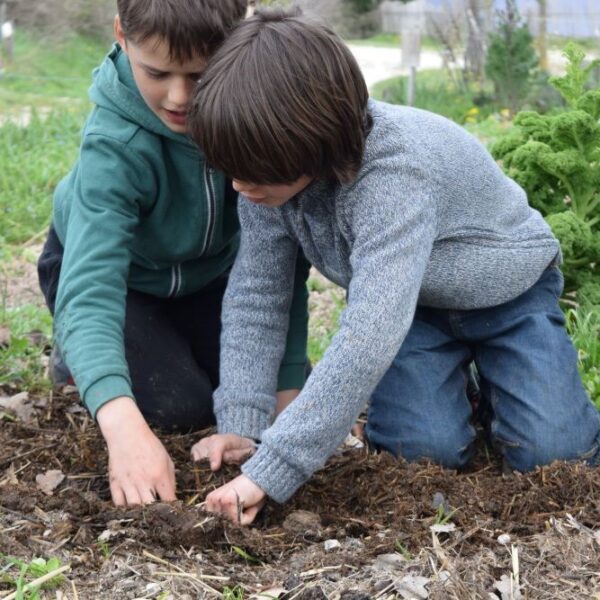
(142, 240)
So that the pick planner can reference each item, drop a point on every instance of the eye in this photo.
(195, 77)
(156, 75)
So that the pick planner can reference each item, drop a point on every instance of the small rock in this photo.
(439, 500)
(292, 582)
(504, 539)
(330, 545)
(444, 576)
(354, 544)
(353, 442)
(153, 588)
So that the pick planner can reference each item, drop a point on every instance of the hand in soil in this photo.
(240, 500)
(222, 448)
(140, 469)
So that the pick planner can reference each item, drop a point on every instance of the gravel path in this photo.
(379, 63)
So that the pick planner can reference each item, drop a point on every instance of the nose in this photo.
(180, 90)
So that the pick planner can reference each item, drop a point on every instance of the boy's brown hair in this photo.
(283, 97)
(189, 27)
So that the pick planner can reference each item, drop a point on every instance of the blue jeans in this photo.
(528, 376)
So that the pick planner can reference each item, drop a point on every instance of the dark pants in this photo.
(171, 347)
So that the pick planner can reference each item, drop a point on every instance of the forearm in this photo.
(255, 323)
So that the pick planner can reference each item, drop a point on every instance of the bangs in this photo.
(281, 99)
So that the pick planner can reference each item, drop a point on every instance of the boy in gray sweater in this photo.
(444, 261)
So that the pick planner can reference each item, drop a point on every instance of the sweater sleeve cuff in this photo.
(105, 389)
(277, 478)
(245, 421)
(292, 376)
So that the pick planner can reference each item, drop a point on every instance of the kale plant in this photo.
(556, 159)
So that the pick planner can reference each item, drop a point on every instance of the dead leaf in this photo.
(10, 476)
(49, 481)
(19, 405)
(390, 562)
(274, 592)
(508, 588)
(412, 587)
(443, 528)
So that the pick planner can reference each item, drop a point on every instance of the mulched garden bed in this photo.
(365, 526)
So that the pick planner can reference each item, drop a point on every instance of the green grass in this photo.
(21, 362)
(45, 71)
(45, 85)
(438, 92)
(33, 159)
(322, 327)
(583, 325)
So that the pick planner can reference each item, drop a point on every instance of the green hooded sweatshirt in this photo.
(142, 210)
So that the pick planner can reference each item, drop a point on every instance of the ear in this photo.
(119, 35)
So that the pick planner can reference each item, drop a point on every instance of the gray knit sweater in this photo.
(430, 219)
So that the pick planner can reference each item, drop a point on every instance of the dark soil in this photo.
(361, 528)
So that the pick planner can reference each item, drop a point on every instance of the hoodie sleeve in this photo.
(292, 373)
(107, 188)
(391, 224)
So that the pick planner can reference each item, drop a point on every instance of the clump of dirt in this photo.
(365, 526)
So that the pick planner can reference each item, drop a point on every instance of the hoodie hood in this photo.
(114, 89)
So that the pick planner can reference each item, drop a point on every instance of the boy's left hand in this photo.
(222, 448)
(240, 500)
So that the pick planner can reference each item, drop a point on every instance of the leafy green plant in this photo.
(443, 515)
(235, 593)
(104, 550)
(555, 158)
(29, 577)
(401, 549)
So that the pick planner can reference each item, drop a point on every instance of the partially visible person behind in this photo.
(143, 236)
(444, 261)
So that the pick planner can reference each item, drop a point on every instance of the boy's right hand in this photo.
(140, 469)
(223, 448)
